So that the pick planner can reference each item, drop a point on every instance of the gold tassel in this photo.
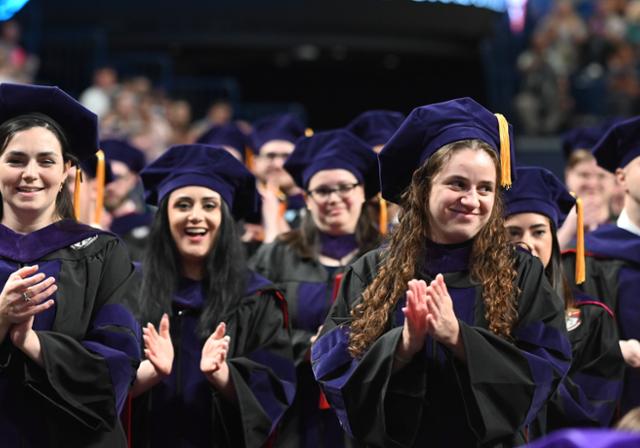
(581, 269)
(383, 218)
(76, 193)
(308, 132)
(505, 151)
(248, 158)
(100, 182)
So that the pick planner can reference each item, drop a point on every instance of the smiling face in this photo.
(336, 213)
(195, 216)
(533, 230)
(32, 173)
(462, 196)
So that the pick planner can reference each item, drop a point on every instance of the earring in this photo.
(61, 187)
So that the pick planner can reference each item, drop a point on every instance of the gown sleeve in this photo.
(88, 377)
(589, 394)
(261, 368)
(501, 396)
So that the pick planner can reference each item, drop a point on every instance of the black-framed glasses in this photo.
(273, 156)
(323, 192)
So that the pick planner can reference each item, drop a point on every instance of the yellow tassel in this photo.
(100, 181)
(248, 158)
(76, 193)
(383, 222)
(581, 269)
(505, 151)
(308, 132)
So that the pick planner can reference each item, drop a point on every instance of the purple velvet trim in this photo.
(312, 307)
(120, 369)
(542, 363)
(610, 241)
(337, 246)
(592, 438)
(628, 309)
(443, 258)
(591, 404)
(125, 224)
(464, 304)
(330, 355)
(35, 245)
(261, 383)
(256, 283)
(117, 315)
(631, 390)
(189, 295)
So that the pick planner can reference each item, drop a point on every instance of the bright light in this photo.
(9, 7)
(494, 5)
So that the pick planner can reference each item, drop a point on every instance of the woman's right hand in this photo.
(158, 347)
(416, 325)
(631, 352)
(23, 293)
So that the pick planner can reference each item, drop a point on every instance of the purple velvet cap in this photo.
(225, 135)
(538, 190)
(206, 166)
(619, 145)
(376, 126)
(78, 123)
(429, 128)
(333, 150)
(123, 151)
(285, 127)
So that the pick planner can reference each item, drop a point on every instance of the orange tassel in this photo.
(100, 182)
(505, 151)
(383, 218)
(76, 193)
(248, 158)
(581, 268)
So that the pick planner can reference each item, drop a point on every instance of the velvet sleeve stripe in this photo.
(329, 355)
(263, 387)
(548, 353)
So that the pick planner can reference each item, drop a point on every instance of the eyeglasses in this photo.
(323, 192)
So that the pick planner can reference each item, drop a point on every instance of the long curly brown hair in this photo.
(492, 258)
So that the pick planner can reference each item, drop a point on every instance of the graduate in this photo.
(228, 136)
(589, 394)
(591, 183)
(376, 127)
(272, 140)
(447, 336)
(613, 261)
(69, 348)
(339, 172)
(218, 370)
(130, 220)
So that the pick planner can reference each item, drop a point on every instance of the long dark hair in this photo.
(8, 129)
(305, 240)
(555, 272)
(224, 280)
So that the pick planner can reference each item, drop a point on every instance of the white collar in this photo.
(624, 222)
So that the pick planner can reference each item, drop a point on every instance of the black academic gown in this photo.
(308, 288)
(90, 341)
(613, 276)
(590, 392)
(436, 400)
(185, 410)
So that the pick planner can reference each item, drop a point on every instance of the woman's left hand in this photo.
(26, 340)
(443, 323)
(213, 362)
